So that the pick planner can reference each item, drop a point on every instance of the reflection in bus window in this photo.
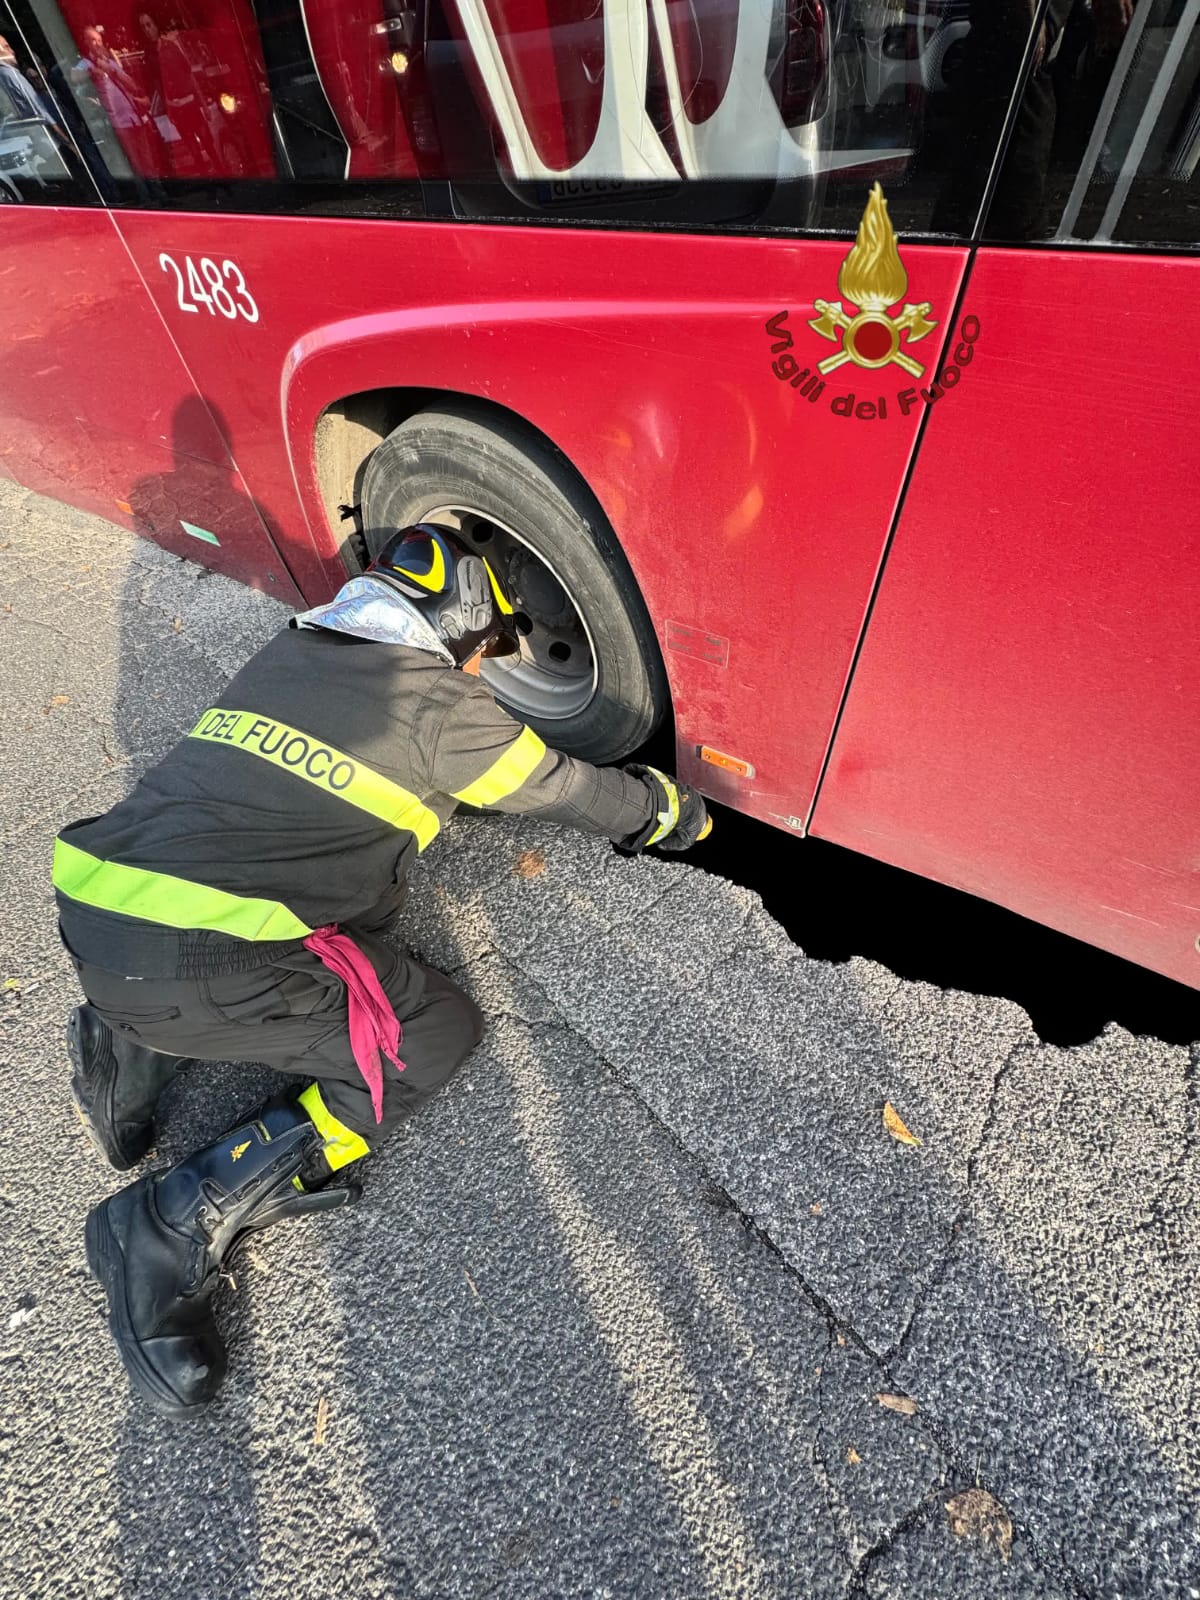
(706, 112)
(308, 140)
(991, 54)
(32, 141)
(1110, 120)
(368, 57)
(181, 83)
(669, 89)
(589, 102)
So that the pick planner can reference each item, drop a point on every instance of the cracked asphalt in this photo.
(615, 1313)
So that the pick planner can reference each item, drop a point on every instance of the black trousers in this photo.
(291, 1015)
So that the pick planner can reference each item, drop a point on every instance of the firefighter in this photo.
(231, 908)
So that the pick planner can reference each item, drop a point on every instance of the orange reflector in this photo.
(123, 505)
(726, 763)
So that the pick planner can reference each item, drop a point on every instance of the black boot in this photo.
(115, 1085)
(157, 1248)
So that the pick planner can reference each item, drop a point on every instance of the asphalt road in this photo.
(615, 1314)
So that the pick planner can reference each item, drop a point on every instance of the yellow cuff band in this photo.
(668, 819)
(342, 1144)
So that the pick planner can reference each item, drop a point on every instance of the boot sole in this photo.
(91, 1095)
(106, 1263)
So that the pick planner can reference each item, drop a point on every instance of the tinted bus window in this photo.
(695, 113)
(39, 159)
(180, 91)
(1106, 145)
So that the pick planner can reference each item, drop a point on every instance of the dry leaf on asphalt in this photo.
(976, 1514)
(322, 1420)
(898, 1402)
(853, 1457)
(894, 1125)
(530, 864)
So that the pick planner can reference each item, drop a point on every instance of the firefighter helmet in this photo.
(452, 587)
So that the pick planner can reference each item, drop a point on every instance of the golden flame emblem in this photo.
(872, 277)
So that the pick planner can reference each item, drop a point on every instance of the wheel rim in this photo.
(554, 674)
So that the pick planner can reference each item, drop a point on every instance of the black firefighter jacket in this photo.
(300, 799)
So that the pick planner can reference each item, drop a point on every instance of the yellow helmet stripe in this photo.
(501, 598)
(435, 579)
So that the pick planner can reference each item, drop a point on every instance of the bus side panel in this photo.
(96, 407)
(753, 517)
(1024, 719)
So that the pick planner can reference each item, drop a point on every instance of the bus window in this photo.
(363, 58)
(37, 155)
(179, 85)
(1136, 180)
(759, 112)
(731, 114)
(310, 141)
(537, 69)
(1106, 145)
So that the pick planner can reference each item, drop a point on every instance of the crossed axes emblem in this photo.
(878, 347)
(873, 277)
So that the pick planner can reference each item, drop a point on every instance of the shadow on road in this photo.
(726, 1366)
(191, 1518)
(837, 904)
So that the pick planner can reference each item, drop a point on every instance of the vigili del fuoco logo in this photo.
(871, 278)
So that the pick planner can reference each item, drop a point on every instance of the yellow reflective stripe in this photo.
(322, 765)
(505, 776)
(174, 902)
(342, 1144)
(668, 818)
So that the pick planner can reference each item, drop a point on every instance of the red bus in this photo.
(821, 372)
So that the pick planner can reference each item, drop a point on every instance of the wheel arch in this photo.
(349, 429)
(602, 696)
(346, 386)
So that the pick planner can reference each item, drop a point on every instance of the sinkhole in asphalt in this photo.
(836, 904)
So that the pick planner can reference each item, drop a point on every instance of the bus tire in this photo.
(454, 455)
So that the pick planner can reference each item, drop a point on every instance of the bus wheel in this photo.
(589, 677)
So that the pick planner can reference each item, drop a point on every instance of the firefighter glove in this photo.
(680, 816)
